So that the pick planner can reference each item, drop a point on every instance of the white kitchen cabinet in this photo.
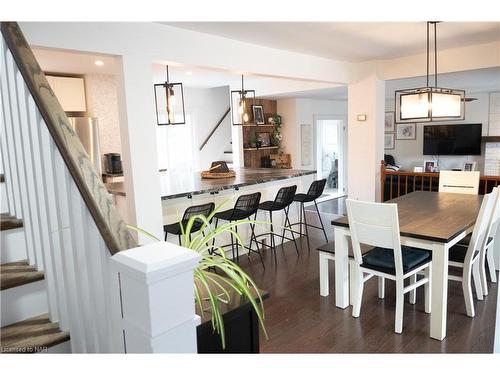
(70, 91)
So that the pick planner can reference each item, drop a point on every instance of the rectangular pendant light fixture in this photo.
(169, 100)
(241, 105)
(430, 103)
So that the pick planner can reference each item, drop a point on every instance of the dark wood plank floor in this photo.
(299, 320)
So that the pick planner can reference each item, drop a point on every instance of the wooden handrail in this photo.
(486, 182)
(215, 128)
(100, 204)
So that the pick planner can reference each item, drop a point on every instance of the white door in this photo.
(330, 152)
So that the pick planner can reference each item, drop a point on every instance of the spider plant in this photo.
(216, 275)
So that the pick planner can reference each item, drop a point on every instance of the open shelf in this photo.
(255, 125)
(260, 148)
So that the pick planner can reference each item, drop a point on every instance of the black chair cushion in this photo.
(457, 253)
(466, 240)
(271, 206)
(381, 259)
(234, 214)
(175, 228)
(303, 198)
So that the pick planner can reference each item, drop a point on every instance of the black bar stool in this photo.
(175, 228)
(314, 192)
(282, 201)
(245, 206)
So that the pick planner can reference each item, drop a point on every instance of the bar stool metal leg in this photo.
(321, 221)
(305, 225)
(287, 222)
(273, 247)
(287, 219)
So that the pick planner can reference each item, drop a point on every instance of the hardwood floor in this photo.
(299, 320)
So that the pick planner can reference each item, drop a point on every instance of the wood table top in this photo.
(433, 216)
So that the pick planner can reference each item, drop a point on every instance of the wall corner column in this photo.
(365, 138)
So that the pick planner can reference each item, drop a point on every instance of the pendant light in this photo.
(241, 104)
(169, 99)
(429, 103)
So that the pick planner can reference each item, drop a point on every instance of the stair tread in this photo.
(9, 222)
(31, 335)
(18, 273)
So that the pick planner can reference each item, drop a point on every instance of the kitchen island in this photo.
(179, 184)
(181, 190)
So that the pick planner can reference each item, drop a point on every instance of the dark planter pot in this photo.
(242, 331)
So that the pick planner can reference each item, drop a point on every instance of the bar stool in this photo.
(245, 206)
(314, 192)
(175, 228)
(282, 201)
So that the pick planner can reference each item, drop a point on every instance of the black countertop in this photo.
(176, 185)
(181, 184)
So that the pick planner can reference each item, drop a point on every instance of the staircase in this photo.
(58, 225)
(26, 327)
(72, 277)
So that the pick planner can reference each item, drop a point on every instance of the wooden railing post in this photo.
(157, 298)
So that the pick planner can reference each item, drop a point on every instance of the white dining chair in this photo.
(459, 182)
(487, 257)
(377, 224)
(468, 257)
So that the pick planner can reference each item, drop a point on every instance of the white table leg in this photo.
(341, 267)
(323, 275)
(439, 298)
(353, 282)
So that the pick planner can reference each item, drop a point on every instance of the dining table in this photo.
(434, 221)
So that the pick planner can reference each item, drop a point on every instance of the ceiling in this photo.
(349, 41)
(472, 81)
(57, 61)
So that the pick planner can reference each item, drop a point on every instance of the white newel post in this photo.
(157, 298)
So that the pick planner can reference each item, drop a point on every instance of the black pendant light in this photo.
(169, 99)
(241, 104)
(429, 103)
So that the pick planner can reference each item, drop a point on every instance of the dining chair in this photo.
(486, 256)
(468, 257)
(377, 224)
(459, 182)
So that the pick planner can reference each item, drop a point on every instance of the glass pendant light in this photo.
(169, 99)
(429, 103)
(241, 104)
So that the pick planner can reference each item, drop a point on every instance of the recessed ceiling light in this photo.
(99, 62)
(189, 73)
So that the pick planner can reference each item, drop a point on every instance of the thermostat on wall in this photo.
(361, 117)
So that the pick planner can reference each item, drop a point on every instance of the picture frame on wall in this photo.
(469, 166)
(264, 139)
(389, 122)
(389, 141)
(430, 166)
(258, 114)
(406, 132)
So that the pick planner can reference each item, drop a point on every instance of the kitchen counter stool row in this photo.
(246, 208)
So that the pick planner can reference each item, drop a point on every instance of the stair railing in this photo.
(215, 128)
(97, 291)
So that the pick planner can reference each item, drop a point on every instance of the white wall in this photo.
(102, 102)
(365, 138)
(297, 112)
(408, 153)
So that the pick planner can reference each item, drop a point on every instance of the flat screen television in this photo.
(457, 139)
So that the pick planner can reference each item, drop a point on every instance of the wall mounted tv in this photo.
(458, 139)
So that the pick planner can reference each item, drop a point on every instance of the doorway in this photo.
(330, 154)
